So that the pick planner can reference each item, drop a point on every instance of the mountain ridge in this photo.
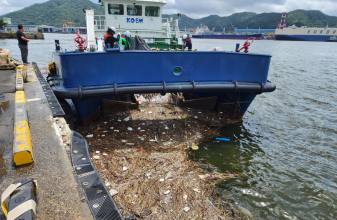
(58, 12)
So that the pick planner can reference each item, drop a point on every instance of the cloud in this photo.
(7, 6)
(200, 8)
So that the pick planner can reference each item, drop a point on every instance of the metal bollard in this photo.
(237, 47)
(57, 45)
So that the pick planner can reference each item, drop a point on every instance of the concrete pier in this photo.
(58, 194)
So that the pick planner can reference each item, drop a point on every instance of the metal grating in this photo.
(98, 198)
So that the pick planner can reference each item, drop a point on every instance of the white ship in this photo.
(140, 17)
(304, 33)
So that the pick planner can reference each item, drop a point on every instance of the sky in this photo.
(201, 8)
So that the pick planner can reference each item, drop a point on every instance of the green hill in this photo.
(263, 20)
(56, 12)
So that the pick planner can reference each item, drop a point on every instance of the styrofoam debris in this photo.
(98, 152)
(150, 112)
(111, 128)
(187, 209)
(130, 129)
(196, 190)
(105, 154)
(113, 192)
(185, 197)
(125, 168)
(168, 176)
(161, 180)
(127, 119)
(203, 177)
(90, 136)
(124, 141)
(117, 131)
(107, 184)
(105, 122)
(167, 192)
(194, 147)
(148, 175)
(130, 144)
(96, 157)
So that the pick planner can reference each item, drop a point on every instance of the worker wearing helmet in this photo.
(124, 41)
(110, 38)
(187, 42)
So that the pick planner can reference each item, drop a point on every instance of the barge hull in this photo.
(88, 78)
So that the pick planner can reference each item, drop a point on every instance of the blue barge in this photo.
(234, 79)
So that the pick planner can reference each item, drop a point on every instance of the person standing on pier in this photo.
(23, 43)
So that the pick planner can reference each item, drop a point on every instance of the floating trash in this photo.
(187, 209)
(90, 136)
(195, 147)
(223, 139)
(113, 192)
(196, 190)
(167, 192)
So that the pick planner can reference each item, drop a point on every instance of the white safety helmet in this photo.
(113, 29)
(127, 34)
(185, 36)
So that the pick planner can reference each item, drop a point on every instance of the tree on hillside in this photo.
(2, 24)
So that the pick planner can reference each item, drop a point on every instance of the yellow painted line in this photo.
(20, 67)
(20, 97)
(23, 148)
